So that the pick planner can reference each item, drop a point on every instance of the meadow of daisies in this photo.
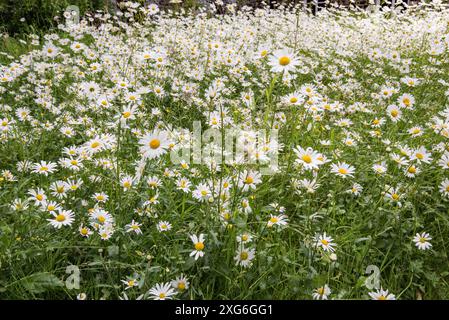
(355, 201)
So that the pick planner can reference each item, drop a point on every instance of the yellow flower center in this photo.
(284, 61)
(249, 180)
(306, 158)
(199, 246)
(60, 217)
(395, 196)
(126, 114)
(394, 113)
(40, 197)
(154, 144)
(264, 53)
(245, 237)
(95, 144)
(343, 171)
(406, 101)
(101, 219)
(293, 99)
(84, 231)
(181, 286)
(244, 255)
(324, 242)
(412, 169)
(274, 219)
(162, 295)
(420, 156)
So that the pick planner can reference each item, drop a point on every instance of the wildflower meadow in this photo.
(227, 153)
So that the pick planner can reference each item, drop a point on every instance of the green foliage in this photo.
(39, 14)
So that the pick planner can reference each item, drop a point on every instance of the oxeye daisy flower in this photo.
(444, 187)
(19, 205)
(356, 189)
(134, 227)
(244, 257)
(381, 294)
(181, 283)
(163, 226)
(406, 101)
(6, 124)
(38, 196)
(162, 291)
(293, 99)
(380, 168)
(325, 242)
(343, 169)
(283, 61)
(277, 220)
(84, 231)
(154, 182)
(394, 113)
(50, 206)
(127, 182)
(202, 192)
(249, 180)
(127, 114)
(412, 171)
(321, 293)
(100, 197)
(101, 217)
(421, 155)
(309, 185)
(244, 238)
(198, 243)
(422, 241)
(416, 131)
(444, 161)
(44, 167)
(94, 145)
(308, 158)
(183, 184)
(130, 282)
(393, 194)
(50, 50)
(61, 218)
(154, 144)
(105, 232)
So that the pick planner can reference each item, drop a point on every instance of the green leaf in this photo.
(41, 282)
